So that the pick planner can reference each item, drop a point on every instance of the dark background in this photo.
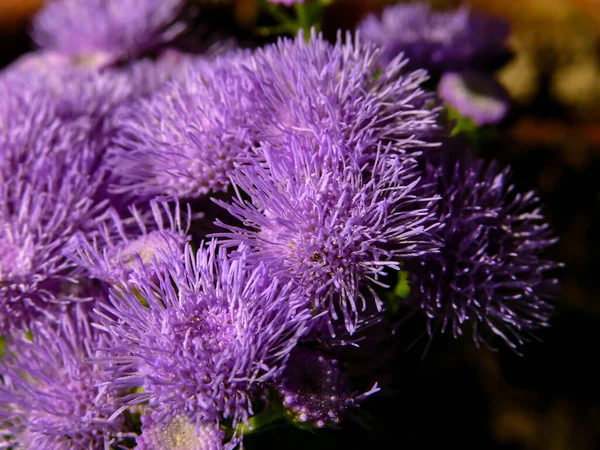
(458, 395)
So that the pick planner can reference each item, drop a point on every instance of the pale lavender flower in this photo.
(489, 274)
(209, 331)
(438, 41)
(105, 31)
(335, 232)
(179, 433)
(475, 95)
(315, 390)
(184, 140)
(123, 244)
(51, 397)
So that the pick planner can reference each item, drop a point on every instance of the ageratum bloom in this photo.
(50, 395)
(122, 244)
(335, 232)
(306, 89)
(202, 333)
(101, 32)
(315, 390)
(179, 433)
(438, 41)
(475, 95)
(489, 274)
(184, 140)
(49, 177)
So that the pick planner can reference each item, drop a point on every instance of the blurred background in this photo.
(459, 395)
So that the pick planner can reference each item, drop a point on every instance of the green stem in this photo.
(303, 22)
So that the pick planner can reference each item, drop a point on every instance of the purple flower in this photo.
(315, 390)
(475, 95)
(438, 41)
(335, 232)
(209, 331)
(105, 31)
(119, 247)
(489, 274)
(300, 88)
(49, 177)
(50, 395)
(184, 140)
(179, 433)
(334, 196)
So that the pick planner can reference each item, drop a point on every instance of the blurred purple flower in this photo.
(315, 390)
(286, 2)
(475, 95)
(438, 41)
(100, 32)
(489, 273)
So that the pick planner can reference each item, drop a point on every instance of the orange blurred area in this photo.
(15, 13)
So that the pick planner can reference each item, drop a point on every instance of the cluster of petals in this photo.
(330, 171)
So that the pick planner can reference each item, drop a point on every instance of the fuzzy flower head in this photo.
(48, 180)
(185, 139)
(300, 88)
(315, 390)
(489, 274)
(438, 41)
(123, 244)
(208, 331)
(105, 31)
(50, 395)
(179, 433)
(334, 232)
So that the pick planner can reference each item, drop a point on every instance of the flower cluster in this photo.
(126, 322)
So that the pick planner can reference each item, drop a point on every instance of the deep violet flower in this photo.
(101, 32)
(475, 95)
(124, 243)
(489, 274)
(209, 331)
(185, 139)
(438, 41)
(50, 395)
(335, 232)
(179, 433)
(315, 390)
